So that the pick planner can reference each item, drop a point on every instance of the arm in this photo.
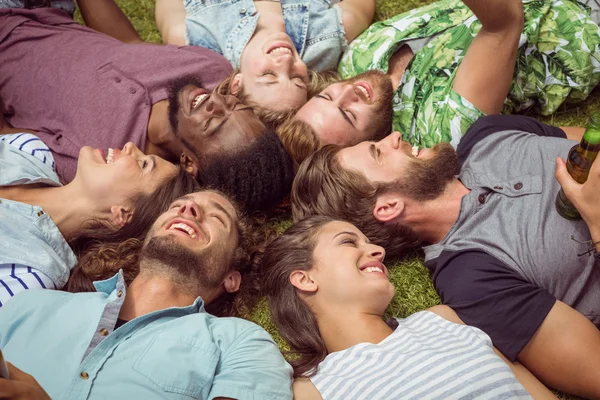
(105, 16)
(252, 367)
(485, 74)
(304, 389)
(356, 16)
(170, 20)
(564, 353)
(535, 388)
(573, 133)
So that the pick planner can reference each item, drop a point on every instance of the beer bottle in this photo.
(579, 162)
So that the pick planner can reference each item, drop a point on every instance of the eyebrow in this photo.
(346, 233)
(221, 208)
(277, 81)
(373, 151)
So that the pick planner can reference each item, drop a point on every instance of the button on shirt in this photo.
(175, 353)
(24, 227)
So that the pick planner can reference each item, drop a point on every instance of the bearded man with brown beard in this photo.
(499, 253)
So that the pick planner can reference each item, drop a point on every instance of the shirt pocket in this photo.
(183, 366)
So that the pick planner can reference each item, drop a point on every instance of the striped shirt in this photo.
(426, 357)
(33, 252)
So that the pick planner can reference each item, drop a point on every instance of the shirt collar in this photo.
(118, 281)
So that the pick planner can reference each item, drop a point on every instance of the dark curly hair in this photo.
(257, 178)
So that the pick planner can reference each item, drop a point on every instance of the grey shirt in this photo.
(509, 219)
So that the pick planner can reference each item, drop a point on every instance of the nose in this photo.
(348, 95)
(394, 140)
(132, 150)
(377, 252)
(216, 105)
(189, 209)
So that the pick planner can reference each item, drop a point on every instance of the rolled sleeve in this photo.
(253, 368)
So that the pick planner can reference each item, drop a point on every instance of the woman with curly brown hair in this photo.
(328, 289)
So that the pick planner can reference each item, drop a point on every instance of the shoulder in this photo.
(447, 313)
(304, 389)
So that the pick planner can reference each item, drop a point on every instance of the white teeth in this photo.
(280, 50)
(415, 151)
(198, 99)
(364, 91)
(184, 227)
(109, 156)
(373, 269)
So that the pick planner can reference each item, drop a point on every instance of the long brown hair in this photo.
(296, 323)
(102, 250)
(322, 186)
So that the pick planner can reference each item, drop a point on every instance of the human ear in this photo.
(302, 281)
(120, 216)
(232, 282)
(388, 207)
(189, 164)
(236, 84)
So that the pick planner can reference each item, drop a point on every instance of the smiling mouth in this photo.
(280, 51)
(364, 92)
(184, 227)
(198, 100)
(373, 269)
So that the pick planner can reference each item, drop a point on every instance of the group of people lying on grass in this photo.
(130, 174)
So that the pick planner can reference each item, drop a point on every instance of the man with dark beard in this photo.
(499, 253)
(73, 86)
(153, 339)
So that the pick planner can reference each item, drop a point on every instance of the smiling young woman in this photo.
(112, 198)
(328, 290)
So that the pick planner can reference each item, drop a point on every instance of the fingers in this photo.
(16, 374)
(568, 184)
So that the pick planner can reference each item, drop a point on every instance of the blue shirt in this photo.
(67, 341)
(24, 227)
(315, 27)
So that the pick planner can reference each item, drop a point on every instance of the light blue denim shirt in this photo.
(226, 26)
(175, 353)
(28, 236)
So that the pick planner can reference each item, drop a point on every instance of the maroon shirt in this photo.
(78, 87)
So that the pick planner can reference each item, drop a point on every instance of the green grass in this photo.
(414, 290)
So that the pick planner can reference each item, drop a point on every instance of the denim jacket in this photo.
(226, 26)
(28, 236)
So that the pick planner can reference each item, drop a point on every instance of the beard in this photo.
(173, 90)
(427, 179)
(380, 124)
(188, 269)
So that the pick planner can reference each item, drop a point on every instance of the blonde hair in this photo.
(299, 139)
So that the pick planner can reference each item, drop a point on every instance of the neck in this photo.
(343, 329)
(151, 292)
(433, 219)
(67, 208)
(161, 139)
(271, 17)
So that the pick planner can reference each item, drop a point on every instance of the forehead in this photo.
(281, 94)
(333, 228)
(326, 120)
(355, 156)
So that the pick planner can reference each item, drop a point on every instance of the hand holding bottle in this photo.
(586, 196)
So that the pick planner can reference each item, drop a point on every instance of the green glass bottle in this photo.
(579, 162)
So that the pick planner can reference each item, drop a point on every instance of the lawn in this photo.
(414, 288)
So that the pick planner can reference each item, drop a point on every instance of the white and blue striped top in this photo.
(426, 357)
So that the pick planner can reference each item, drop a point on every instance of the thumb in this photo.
(564, 178)
(15, 374)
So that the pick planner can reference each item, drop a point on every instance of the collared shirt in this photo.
(33, 252)
(315, 27)
(510, 255)
(77, 87)
(175, 353)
